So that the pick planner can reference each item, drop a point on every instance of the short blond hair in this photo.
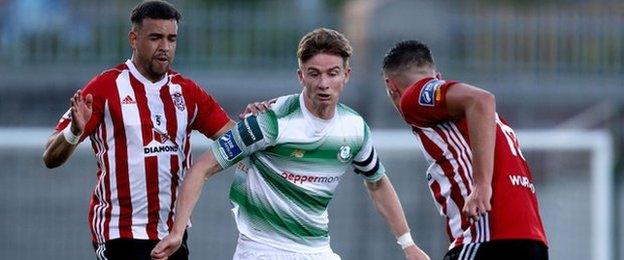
(323, 40)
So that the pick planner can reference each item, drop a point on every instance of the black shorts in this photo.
(513, 249)
(134, 249)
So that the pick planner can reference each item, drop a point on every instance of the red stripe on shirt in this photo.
(121, 167)
(153, 205)
(172, 130)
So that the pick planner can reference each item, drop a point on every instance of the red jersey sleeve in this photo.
(210, 116)
(94, 87)
(424, 103)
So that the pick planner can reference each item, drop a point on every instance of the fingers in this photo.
(76, 99)
(89, 100)
(487, 206)
(256, 108)
(159, 252)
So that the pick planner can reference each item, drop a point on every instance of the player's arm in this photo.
(223, 129)
(200, 172)
(388, 205)
(479, 108)
(62, 144)
(366, 163)
(242, 139)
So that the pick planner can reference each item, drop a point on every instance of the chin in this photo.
(160, 71)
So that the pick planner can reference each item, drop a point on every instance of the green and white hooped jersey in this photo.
(289, 164)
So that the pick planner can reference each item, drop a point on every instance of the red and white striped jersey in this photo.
(140, 134)
(445, 144)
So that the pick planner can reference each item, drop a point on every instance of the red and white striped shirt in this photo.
(445, 143)
(140, 134)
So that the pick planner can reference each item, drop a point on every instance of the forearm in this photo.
(481, 122)
(57, 150)
(191, 189)
(388, 205)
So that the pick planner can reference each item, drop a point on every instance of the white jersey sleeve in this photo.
(252, 134)
(366, 162)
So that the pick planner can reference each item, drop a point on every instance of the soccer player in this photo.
(139, 116)
(290, 160)
(478, 177)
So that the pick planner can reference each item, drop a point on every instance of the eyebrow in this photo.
(330, 69)
(161, 35)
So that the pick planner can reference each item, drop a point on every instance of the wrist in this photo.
(482, 185)
(69, 135)
(405, 240)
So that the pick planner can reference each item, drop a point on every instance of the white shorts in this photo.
(247, 249)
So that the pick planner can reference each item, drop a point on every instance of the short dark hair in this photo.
(323, 40)
(406, 54)
(154, 9)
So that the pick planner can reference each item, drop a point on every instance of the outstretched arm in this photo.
(479, 108)
(62, 144)
(191, 189)
(388, 205)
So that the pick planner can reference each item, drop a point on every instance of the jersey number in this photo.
(512, 141)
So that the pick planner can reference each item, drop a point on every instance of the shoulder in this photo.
(349, 114)
(351, 118)
(105, 79)
(286, 105)
(423, 93)
(183, 81)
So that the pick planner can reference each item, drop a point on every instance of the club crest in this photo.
(178, 101)
(344, 154)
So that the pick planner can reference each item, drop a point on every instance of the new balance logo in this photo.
(128, 100)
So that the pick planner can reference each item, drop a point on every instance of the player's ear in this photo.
(438, 75)
(300, 76)
(347, 74)
(132, 37)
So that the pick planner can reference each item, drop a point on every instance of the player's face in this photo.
(154, 44)
(323, 77)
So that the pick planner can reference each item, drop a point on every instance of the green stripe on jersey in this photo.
(263, 216)
(316, 203)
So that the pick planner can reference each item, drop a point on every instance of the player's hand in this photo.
(256, 107)
(167, 246)
(478, 202)
(81, 110)
(415, 253)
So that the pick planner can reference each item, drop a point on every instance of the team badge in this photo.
(178, 101)
(344, 154)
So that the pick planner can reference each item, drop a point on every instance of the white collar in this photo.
(146, 82)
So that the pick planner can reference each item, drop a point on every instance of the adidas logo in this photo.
(128, 100)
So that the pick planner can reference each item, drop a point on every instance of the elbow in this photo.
(485, 101)
(375, 185)
(488, 98)
(49, 162)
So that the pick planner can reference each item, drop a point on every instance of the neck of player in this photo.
(321, 110)
(143, 68)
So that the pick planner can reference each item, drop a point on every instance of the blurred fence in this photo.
(230, 34)
(569, 37)
(582, 37)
